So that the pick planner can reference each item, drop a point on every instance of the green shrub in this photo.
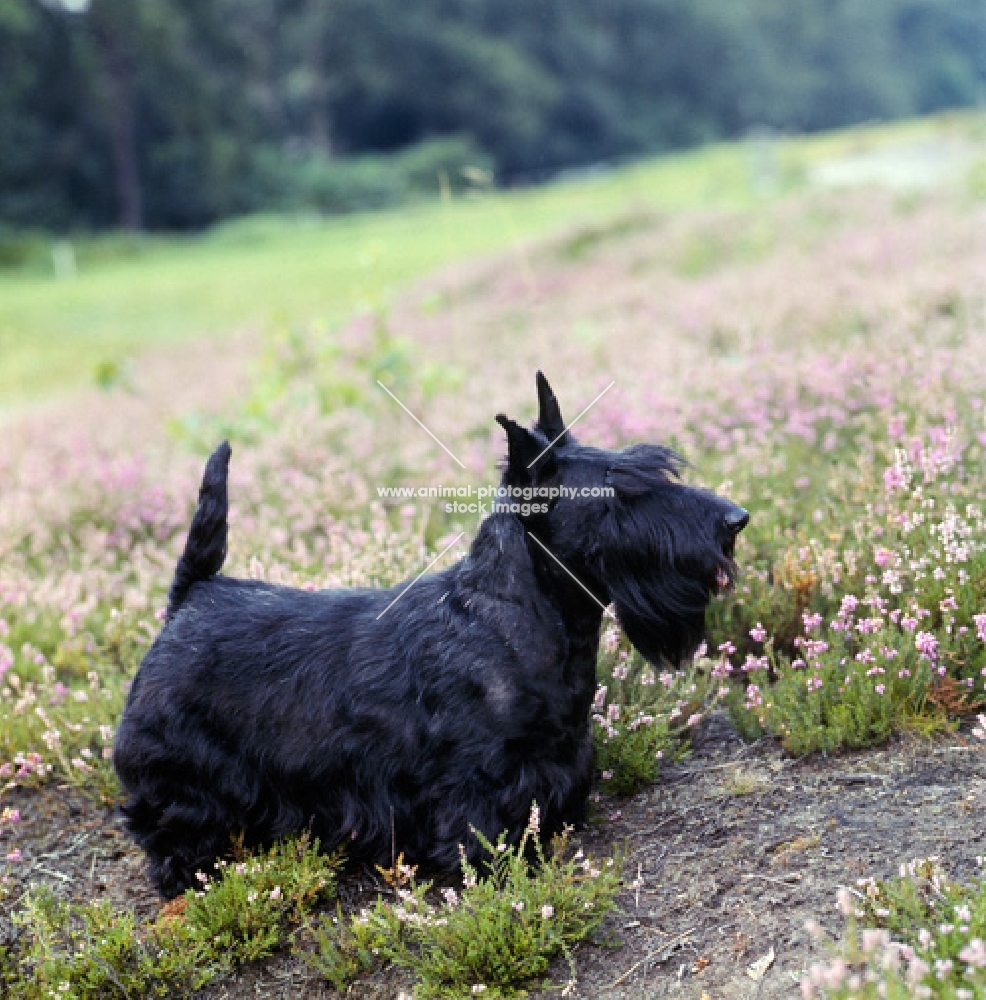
(354, 184)
(499, 933)
(250, 906)
(91, 953)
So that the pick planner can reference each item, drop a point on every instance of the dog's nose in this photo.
(737, 519)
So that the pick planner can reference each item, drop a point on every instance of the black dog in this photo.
(264, 710)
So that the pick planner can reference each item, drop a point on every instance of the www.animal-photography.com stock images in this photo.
(492, 499)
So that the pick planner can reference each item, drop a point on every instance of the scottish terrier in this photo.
(407, 725)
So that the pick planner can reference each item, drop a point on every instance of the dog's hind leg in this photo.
(180, 839)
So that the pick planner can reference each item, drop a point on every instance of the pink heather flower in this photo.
(759, 633)
(974, 954)
(895, 426)
(880, 688)
(727, 647)
(848, 605)
(547, 911)
(883, 557)
(811, 621)
(814, 683)
(980, 621)
(607, 775)
(893, 479)
(814, 647)
(926, 644)
(694, 720)
(908, 623)
(275, 893)
(4, 627)
(15, 855)
(621, 672)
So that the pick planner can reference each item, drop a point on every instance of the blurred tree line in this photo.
(175, 113)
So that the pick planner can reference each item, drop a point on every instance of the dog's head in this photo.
(623, 526)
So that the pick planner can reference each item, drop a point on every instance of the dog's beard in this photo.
(661, 575)
(664, 618)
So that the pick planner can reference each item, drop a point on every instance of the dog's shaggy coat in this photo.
(262, 711)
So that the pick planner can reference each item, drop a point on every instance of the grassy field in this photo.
(268, 273)
(803, 319)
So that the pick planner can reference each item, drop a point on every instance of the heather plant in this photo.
(89, 952)
(246, 910)
(247, 907)
(908, 648)
(921, 936)
(642, 715)
(496, 934)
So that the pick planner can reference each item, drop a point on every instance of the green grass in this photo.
(270, 272)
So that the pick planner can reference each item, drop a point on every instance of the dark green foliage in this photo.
(176, 113)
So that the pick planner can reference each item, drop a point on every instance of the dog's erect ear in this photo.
(527, 456)
(550, 422)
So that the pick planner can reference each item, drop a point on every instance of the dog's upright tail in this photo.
(205, 549)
